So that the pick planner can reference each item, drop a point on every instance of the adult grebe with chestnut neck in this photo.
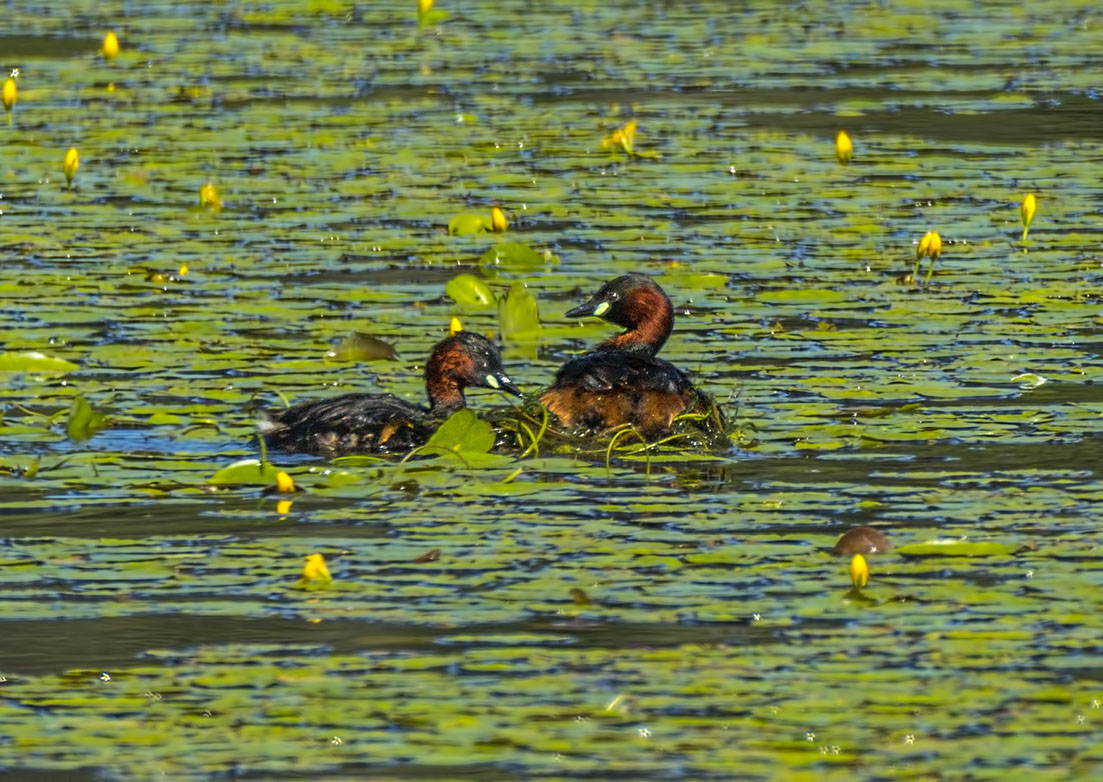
(621, 381)
(383, 423)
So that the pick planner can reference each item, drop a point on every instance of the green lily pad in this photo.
(362, 347)
(247, 471)
(469, 223)
(339, 478)
(512, 256)
(470, 292)
(518, 312)
(33, 361)
(1029, 380)
(956, 548)
(83, 420)
(164, 419)
(703, 281)
(463, 433)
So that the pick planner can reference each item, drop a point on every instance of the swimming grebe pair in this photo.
(618, 382)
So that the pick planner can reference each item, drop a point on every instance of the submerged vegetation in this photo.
(298, 200)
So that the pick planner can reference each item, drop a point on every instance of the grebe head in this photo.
(462, 360)
(636, 302)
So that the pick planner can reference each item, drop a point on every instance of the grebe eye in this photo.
(492, 381)
(601, 308)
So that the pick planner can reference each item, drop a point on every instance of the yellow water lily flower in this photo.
(844, 148)
(283, 507)
(498, 221)
(315, 570)
(209, 197)
(426, 15)
(110, 47)
(8, 94)
(623, 137)
(70, 166)
(859, 571)
(1029, 207)
(284, 484)
(931, 247)
(455, 327)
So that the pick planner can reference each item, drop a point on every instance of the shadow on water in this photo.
(38, 647)
(892, 463)
(20, 47)
(1052, 116)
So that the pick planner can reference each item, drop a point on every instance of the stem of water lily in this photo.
(930, 271)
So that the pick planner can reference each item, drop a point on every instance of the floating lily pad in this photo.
(512, 256)
(463, 433)
(362, 347)
(470, 292)
(694, 280)
(956, 548)
(33, 361)
(164, 419)
(518, 312)
(1029, 380)
(469, 223)
(83, 420)
(246, 471)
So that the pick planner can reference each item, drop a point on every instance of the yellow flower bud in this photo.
(930, 245)
(423, 7)
(70, 166)
(183, 270)
(110, 48)
(455, 327)
(209, 197)
(284, 484)
(859, 571)
(844, 148)
(9, 93)
(498, 220)
(1029, 207)
(315, 570)
(283, 507)
(628, 132)
(623, 137)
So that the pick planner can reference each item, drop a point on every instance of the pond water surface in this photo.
(673, 615)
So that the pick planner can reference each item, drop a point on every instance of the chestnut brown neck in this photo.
(648, 317)
(444, 374)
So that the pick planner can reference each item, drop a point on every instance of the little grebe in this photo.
(621, 381)
(378, 423)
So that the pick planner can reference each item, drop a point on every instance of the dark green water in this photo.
(153, 626)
